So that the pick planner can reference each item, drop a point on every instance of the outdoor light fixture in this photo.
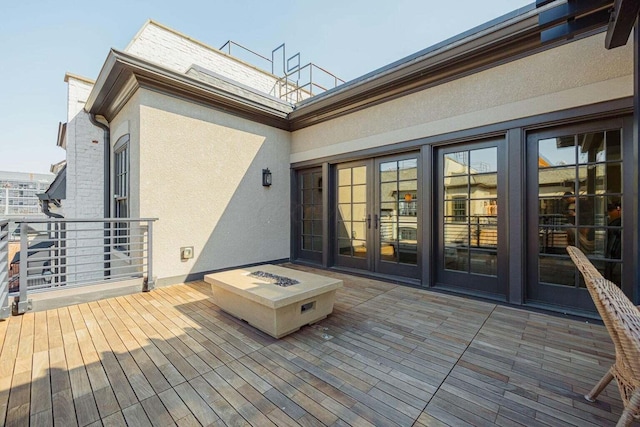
(266, 177)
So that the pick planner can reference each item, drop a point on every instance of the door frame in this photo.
(397, 269)
(372, 262)
(364, 263)
(572, 298)
(494, 287)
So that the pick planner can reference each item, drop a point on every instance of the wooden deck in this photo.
(389, 355)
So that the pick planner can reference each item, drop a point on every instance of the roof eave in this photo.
(504, 39)
(122, 74)
(62, 136)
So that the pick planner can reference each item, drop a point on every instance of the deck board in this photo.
(388, 356)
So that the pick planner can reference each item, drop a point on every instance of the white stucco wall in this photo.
(572, 75)
(178, 52)
(200, 173)
(85, 156)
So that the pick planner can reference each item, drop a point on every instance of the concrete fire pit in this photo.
(274, 299)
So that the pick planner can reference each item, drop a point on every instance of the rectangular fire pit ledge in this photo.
(252, 294)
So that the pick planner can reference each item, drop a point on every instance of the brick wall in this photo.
(85, 156)
(178, 52)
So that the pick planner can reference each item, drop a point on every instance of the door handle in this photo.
(375, 221)
(369, 221)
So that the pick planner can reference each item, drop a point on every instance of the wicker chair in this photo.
(622, 320)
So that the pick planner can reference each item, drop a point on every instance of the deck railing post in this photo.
(5, 309)
(150, 282)
(20, 303)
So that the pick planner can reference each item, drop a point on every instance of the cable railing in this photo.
(57, 254)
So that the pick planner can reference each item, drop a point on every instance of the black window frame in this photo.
(121, 190)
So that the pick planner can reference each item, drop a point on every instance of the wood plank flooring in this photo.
(388, 356)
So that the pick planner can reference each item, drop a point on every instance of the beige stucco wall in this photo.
(200, 173)
(572, 75)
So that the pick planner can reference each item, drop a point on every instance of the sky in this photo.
(41, 40)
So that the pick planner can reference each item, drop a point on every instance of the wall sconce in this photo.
(266, 177)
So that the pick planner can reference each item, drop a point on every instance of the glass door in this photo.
(377, 215)
(396, 222)
(468, 216)
(353, 217)
(309, 215)
(575, 197)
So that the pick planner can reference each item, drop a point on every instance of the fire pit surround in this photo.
(274, 299)
(274, 278)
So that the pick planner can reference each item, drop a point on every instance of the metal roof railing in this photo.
(295, 82)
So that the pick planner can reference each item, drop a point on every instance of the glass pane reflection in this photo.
(456, 259)
(344, 177)
(388, 172)
(311, 209)
(344, 212)
(613, 145)
(556, 152)
(408, 169)
(359, 175)
(578, 177)
(590, 147)
(483, 263)
(359, 248)
(456, 163)
(558, 271)
(484, 160)
(317, 244)
(359, 193)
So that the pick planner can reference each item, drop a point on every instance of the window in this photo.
(408, 205)
(121, 190)
(459, 207)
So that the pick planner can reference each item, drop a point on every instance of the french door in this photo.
(469, 210)
(575, 196)
(377, 225)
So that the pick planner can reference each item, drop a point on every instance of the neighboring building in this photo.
(447, 169)
(19, 194)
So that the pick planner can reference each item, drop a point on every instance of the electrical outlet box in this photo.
(186, 252)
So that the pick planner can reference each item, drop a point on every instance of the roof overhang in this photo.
(58, 189)
(122, 74)
(62, 136)
(623, 18)
(504, 39)
(568, 18)
(57, 167)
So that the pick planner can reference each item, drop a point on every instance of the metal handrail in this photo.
(5, 309)
(73, 253)
(83, 220)
(288, 71)
(306, 88)
(230, 43)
